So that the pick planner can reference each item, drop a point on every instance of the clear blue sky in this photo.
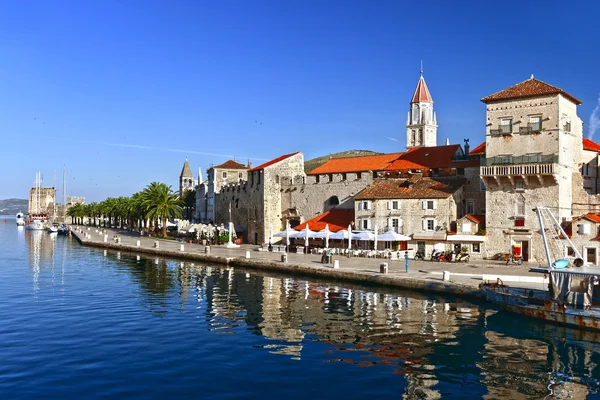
(176, 79)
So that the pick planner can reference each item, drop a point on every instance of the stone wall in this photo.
(317, 194)
(42, 200)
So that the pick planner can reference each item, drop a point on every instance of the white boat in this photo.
(52, 228)
(36, 225)
(20, 219)
(573, 295)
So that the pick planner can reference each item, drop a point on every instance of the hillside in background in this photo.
(317, 162)
(13, 206)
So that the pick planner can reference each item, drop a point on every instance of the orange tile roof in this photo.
(274, 161)
(230, 164)
(425, 157)
(477, 218)
(529, 88)
(421, 92)
(337, 218)
(425, 188)
(589, 145)
(593, 217)
(479, 150)
(356, 164)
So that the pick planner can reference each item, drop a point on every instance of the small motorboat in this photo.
(20, 219)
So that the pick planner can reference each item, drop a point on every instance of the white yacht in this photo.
(20, 219)
(36, 225)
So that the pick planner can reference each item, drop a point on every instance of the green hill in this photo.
(13, 206)
(318, 161)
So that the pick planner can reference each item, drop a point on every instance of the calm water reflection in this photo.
(93, 323)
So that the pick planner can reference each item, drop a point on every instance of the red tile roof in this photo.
(592, 217)
(421, 92)
(425, 157)
(479, 150)
(356, 164)
(591, 146)
(425, 188)
(529, 88)
(337, 219)
(230, 164)
(269, 163)
(477, 218)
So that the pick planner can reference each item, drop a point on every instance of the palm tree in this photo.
(161, 203)
(189, 200)
(75, 212)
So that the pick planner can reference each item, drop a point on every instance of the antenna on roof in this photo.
(421, 67)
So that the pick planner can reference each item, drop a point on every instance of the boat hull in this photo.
(537, 304)
(35, 226)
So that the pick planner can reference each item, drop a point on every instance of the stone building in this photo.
(533, 156)
(42, 200)
(228, 173)
(186, 179)
(421, 123)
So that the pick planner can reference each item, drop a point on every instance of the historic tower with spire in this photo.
(421, 124)
(186, 179)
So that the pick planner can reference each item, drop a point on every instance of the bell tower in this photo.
(186, 179)
(421, 124)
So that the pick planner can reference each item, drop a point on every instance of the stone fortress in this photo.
(444, 197)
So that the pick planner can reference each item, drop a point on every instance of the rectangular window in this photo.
(430, 224)
(429, 205)
(466, 227)
(395, 225)
(534, 157)
(583, 229)
(240, 175)
(519, 184)
(365, 224)
(567, 126)
(520, 222)
(506, 125)
(569, 252)
(520, 206)
(395, 205)
(470, 207)
(535, 123)
(476, 248)
(224, 174)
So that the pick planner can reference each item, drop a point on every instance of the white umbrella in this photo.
(284, 234)
(349, 237)
(363, 235)
(375, 240)
(342, 234)
(391, 236)
(306, 238)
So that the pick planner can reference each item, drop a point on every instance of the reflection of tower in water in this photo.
(41, 252)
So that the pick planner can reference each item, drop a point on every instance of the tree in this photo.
(189, 201)
(161, 203)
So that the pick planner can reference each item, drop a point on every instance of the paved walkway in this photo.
(464, 278)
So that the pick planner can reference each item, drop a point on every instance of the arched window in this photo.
(333, 201)
(520, 205)
(420, 135)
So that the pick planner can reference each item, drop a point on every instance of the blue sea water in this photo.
(80, 322)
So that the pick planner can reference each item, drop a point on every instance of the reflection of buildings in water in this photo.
(518, 363)
(40, 250)
(275, 326)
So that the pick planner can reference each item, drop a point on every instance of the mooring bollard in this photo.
(247, 254)
(383, 268)
(156, 245)
(181, 248)
(137, 243)
(105, 238)
(336, 264)
(118, 240)
(284, 257)
(446, 275)
(207, 249)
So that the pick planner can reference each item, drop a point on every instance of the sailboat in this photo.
(36, 220)
(573, 295)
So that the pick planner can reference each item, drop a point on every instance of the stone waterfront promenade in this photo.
(460, 279)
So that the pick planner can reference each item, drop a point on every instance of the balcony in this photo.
(503, 130)
(536, 166)
(530, 128)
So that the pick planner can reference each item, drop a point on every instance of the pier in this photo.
(450, 278)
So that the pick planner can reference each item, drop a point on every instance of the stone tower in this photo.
(421, 124)
(186, 179)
